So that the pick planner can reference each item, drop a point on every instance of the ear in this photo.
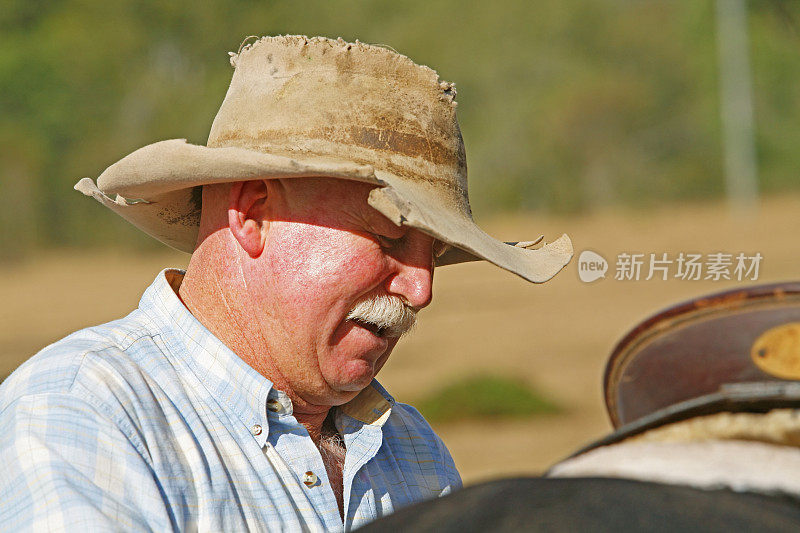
(246, 215)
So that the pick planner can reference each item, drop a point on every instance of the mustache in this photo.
(390, 315)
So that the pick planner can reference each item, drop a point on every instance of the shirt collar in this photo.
(372, 406)
(224, 374)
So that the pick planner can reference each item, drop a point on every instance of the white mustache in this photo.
(390, 314)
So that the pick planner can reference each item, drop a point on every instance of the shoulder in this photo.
(410, 438)
(407, 420)
(93, 359)
(408, 433)
(73, 451)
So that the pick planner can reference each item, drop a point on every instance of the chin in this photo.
(352, 377)
(355, 361)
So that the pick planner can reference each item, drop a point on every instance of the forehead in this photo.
(332, 199)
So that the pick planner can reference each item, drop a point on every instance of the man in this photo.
(241, 393)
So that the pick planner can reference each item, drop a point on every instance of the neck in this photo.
(206, 292)
(315, 424)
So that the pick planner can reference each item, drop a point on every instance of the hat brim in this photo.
(152, 189)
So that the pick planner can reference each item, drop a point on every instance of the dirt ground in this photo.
(556, 336)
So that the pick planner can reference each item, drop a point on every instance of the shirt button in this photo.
(274, 406)
(256, 430)
(310, 479)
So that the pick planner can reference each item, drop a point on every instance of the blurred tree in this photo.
(564, 105)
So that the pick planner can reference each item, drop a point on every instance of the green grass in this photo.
(485, 397)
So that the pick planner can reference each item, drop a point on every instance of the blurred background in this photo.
(633, 126)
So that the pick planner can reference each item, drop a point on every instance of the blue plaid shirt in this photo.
(150, 423)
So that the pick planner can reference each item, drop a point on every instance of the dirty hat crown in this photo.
(317, 107)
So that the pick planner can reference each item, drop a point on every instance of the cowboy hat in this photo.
(304, 107)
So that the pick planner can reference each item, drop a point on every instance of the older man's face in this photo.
(326, 250)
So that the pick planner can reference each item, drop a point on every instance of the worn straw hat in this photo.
(305, 107)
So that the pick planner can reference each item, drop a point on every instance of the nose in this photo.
(413, 270)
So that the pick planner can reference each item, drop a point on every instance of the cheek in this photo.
(324, 261)
(346, 372)
(316, 273)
